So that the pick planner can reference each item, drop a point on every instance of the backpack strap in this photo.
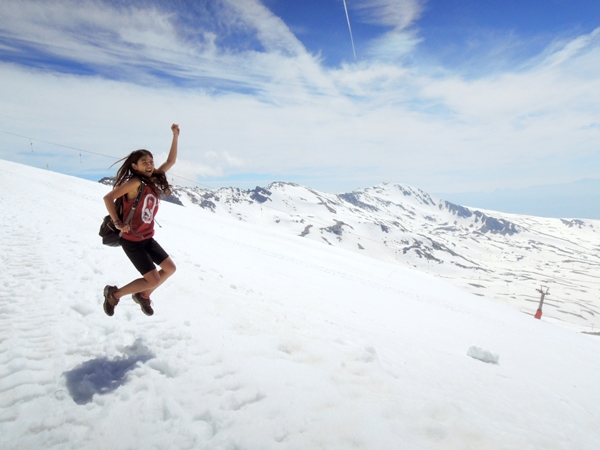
(135, 203)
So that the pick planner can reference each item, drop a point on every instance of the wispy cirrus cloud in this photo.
(244, 47)
(398, 14)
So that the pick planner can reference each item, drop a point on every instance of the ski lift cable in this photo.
(172, 174)
(80, 150)
(31, 139)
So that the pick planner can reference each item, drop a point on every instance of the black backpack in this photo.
(108, 232)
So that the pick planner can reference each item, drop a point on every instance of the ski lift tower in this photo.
(538, 313)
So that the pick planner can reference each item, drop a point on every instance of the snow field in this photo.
(263, 341)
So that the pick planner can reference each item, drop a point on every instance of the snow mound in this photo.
(483, 355)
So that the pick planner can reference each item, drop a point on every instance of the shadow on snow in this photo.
(102, 375)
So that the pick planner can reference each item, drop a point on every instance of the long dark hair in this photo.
(157, 182)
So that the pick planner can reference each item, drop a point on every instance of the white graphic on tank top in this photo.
(150, 202)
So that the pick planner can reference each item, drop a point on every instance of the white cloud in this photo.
(563, 52)
(136, 42)
(89, 31)
(393, 45)
(278, 111)
(189, 173)
(398, 14)
(272, 32)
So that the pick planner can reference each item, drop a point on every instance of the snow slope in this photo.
(262, 340)
(503, 257)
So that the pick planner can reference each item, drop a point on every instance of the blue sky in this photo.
(448, 96)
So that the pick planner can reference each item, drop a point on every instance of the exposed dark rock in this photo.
(353, 200)
(457, 210)
(573, 223)
(260, 195)
(276, 184)
(323, 201)
(448, 228)
(437, 246)
(322, 237)
(306, 230)
(420, 195)
(496, 226)
(207, 204)
(108, 181)
(171, 199)
(337, 228)
(462, 266)
(421, 251)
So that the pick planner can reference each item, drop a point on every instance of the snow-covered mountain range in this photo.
(505, 257)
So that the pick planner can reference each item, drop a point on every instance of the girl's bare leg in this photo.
(150, 281)
(167, 268)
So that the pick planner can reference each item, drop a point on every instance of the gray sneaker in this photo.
(109, 300)
(144, 303)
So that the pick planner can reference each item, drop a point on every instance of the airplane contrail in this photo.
(350, 29)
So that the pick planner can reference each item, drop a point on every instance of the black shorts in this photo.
(144, 254)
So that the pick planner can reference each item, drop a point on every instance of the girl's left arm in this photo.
(173, 152)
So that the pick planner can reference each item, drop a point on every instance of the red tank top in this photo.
(142, 222)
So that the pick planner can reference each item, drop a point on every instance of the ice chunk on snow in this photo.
(483, 355)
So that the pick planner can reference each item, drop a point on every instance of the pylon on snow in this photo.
(538, 313)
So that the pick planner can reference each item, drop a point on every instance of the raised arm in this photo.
(173, 152)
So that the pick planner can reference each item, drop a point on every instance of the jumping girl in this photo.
(139, 174)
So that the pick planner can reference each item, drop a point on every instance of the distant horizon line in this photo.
(548, 200)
